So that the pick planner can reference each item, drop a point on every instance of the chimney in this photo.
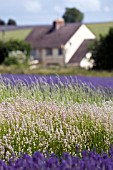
(58, 23)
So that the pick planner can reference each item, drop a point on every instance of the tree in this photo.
(20, 49)
(73, 15)
(15, 45)
(11, 22)
(102, 52)
(2, 22)
(3, 52)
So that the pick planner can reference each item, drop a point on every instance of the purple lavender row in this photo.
(29, 79)
(88, 161)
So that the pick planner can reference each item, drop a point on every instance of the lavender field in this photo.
(45, 119)
(94, 81)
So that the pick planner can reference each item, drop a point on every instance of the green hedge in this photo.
(13, 45)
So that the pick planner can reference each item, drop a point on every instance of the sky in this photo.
(43, 12)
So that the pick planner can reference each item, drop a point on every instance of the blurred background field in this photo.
(52, 70)
(21, 34)
(100, 28)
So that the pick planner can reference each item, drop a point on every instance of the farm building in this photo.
(61, 43)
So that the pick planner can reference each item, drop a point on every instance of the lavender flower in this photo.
(88, 160)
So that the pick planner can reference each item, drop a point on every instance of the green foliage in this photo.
(15, 58)
(102, 52)
(10, 61)
(11, 22)
(13, 45)
(73, 15)
(40, 69)
(2, 22)
(3, 52)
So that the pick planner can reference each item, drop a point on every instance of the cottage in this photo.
(61, 43)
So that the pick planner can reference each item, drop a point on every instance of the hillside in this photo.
(100, 28)
(21, 32)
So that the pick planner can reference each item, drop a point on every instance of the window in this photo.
(48, 51)
(60, 52)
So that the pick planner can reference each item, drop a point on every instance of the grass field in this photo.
(53, 70)
(100, 28)
(96, 28)
(16, 34)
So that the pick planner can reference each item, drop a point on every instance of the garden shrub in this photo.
(15, 57)
(8, 48)
(3, 52)
(102, 52)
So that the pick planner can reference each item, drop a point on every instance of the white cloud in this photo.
(32, 5)
(106, 9)
(86, 5)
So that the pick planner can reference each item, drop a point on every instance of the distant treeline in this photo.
(9, 22)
